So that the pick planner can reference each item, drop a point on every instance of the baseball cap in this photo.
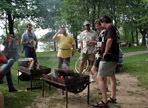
(86, 23)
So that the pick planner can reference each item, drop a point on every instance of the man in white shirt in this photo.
(88, 40)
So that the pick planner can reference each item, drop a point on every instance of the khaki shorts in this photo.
(90, 57)
(107, 68)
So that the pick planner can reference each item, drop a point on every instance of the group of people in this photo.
(107, 56)
(10, 55)
(106, 47)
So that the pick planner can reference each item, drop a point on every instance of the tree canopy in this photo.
(130, 16)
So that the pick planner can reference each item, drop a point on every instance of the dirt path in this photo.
(129, 95)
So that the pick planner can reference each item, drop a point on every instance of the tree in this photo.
(16, 9)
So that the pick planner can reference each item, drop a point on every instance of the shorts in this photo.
(90, 57)
(107, 68)
(96, 62)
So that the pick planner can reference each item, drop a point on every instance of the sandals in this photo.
(111, 100)
(100, 104)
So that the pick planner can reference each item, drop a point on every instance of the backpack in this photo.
(11, 48)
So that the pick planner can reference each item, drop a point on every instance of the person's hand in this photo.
(90, 43)
(94, 51)
(73, 52)
(35, 48)
(30, 42)
(5, 61)
(104, 54)
(4, 58)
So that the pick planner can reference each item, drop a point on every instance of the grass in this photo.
(134, 65)
(137, 67)
(133, 49)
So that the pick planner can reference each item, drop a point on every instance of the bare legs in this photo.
(102, 83)
(82, 63)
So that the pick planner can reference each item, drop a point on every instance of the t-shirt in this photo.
(64, 45)
(28, 37)
(114, 49)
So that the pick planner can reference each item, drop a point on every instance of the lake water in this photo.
(40, 47)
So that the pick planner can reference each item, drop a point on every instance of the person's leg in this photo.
(1, 101)
(91, 65)
(91, 58)
(82, 63)
(6, 67)
(67, 62)
(94, 70)
(26, 51)
(60, 62)
(34, 56)
(9, 79)
(102, 84)
(113, 86)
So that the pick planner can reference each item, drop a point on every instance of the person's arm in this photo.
(23, 42)
(73, 47)
(108, 46)
(92, 43)
(81, 45)
(3, 59)
(55, 37)
(36, 46)
(147, 44)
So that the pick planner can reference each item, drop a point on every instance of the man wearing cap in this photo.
(88, 40)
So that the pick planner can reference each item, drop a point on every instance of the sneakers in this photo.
(91, 78)
(12, 89)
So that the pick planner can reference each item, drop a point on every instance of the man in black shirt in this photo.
(107, 66)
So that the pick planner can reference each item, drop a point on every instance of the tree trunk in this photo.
(55, 46)
(93, 20)
(143, 32)
(10, 23)
(75, 38)
(125, 37)
(132, 36)
(137, 42)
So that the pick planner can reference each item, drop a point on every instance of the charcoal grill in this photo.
(34, 74)
(67, 80)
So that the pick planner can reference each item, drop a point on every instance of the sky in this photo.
(39, 32)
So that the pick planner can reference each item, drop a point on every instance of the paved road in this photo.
(124, 55)
(134, 53)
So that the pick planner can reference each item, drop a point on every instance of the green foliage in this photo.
(16, 9)
(19, 28)
(46, 12)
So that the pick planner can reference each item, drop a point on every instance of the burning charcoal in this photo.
(26, 62)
